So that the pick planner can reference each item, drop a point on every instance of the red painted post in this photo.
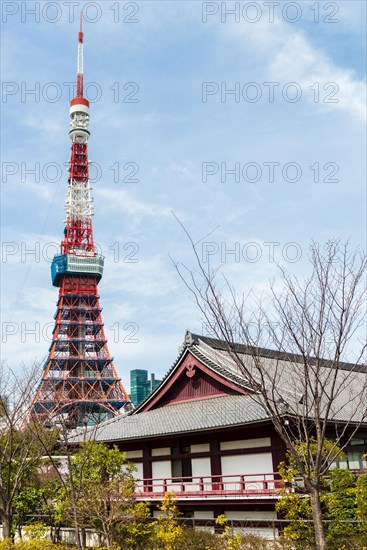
(243, 483)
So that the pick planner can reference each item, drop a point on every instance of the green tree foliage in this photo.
(305, 454)
(343, 500)
(27, 501)
(296, 508)
(340, 504)
(296, 503)
(361, 501)
(99, 490)
(138, 531)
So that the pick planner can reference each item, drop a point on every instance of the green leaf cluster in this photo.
(343, 498)
(98, 491)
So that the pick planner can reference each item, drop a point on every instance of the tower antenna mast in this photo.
(80, 69)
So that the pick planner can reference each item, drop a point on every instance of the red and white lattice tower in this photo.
(79, 382)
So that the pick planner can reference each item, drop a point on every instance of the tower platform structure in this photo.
(79, 383)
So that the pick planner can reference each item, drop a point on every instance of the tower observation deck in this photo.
(79, 383)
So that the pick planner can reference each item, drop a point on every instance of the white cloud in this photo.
(125, 202)
(288, 55)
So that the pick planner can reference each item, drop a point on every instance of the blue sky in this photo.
(170, 134)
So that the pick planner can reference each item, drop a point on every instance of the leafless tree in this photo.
(309, 390)
(25, 442)
(20, 449)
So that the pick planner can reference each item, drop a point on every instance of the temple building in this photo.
(204, 434)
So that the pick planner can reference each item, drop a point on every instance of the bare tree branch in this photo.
(315, 391)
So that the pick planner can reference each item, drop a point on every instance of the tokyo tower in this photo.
(79, 382)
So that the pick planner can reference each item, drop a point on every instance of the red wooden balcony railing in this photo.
(235, 486)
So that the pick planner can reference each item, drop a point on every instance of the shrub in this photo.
(198, 540)
(34, 544)
(6, 544)
(168, 531)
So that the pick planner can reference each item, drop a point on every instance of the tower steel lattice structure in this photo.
(79, 382)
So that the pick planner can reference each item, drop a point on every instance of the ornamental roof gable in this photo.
(194, 376)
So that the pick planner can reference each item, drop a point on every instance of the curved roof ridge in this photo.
(216, 343)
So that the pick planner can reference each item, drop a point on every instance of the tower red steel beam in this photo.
(79, 381)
